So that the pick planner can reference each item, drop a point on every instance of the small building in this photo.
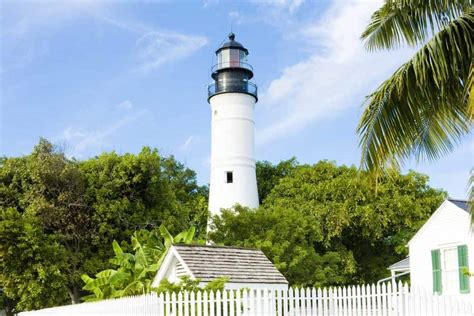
(400, 268)
(441, 251)
(245, 268)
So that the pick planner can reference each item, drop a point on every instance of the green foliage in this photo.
(31, 262)
(135, 271)
(324, 225)
(44, 227)
(188, 284)
(426, 107)
(66, 213)
(268, 175)
(130, 192)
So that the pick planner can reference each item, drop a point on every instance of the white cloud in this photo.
(153, 47)
(188, 144)
(291, 5)
(23, 21)
(157, 48)
(24, 18)
(125, 105)
(335, 77)
(234, 14)
(81, 139)
(209, 3)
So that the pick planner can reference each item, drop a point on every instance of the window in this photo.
(450, 273)
(243, 56)
(234, 58)
(448, 266)
(229, 177)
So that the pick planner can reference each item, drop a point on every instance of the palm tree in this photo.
(426, 107)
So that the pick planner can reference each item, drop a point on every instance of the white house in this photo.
(442, 250)
(245, 268)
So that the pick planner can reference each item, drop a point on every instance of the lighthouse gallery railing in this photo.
(236, 86)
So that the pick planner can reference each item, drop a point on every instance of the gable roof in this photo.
(462, 204)
(459, 204)
(241, 265)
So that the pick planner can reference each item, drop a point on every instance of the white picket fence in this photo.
(383, 300)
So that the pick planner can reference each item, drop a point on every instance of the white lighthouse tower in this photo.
(232, 98)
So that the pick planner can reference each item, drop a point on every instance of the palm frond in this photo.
(410, 21)
(421, 109)
(469, 92)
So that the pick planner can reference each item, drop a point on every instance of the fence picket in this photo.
(184, 305)
(264, 304)
(198, 297)
(301, 301)
(238, 303)
(251, 303)
(245, 301)
(363, 299)
(224, 303)
(309, 302)
(211, 303)
(278, 304)
(204, 303)
(383, 298)
(168, 305)
(389, 298)
(231, 303)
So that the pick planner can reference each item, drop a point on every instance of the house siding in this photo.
(448, 227)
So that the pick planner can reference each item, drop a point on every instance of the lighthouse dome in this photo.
(232, 55)
(232, 43)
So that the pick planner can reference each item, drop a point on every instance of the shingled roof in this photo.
(462, 204)
(241, 265)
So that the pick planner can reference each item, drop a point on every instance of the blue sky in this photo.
(96, 76)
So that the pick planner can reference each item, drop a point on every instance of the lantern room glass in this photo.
(231, 58)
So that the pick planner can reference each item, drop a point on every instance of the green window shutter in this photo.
(463, 264)
(436, 266)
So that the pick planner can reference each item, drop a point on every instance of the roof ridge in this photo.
(216, 247)
(457, 200)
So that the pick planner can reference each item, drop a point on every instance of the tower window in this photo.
(229, 177)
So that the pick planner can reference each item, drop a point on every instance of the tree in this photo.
(268, 175)
(43, 198)
(80, 207)
(146, 190)
(427, 105)
(324, 225)
(135, 272)
(31, 263)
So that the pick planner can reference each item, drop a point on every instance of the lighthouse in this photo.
(232, 98)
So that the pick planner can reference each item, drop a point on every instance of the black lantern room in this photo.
(232, 73)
